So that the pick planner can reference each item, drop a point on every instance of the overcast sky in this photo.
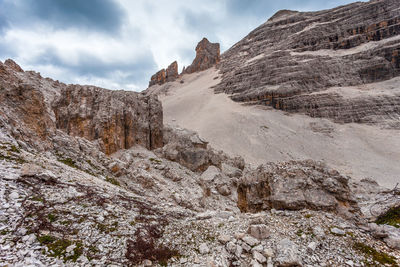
(119, 44)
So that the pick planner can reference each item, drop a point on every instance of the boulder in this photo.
(294, 186)
(288, 254)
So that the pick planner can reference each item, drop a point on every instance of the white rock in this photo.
(288, 254)
(350, 263)
(147, 263)
(255, 263)
(14, 195)
(204, 249)
(70, 248)
(312, 246)
(268, 252)
(259, 257)
(251, 241)
(223, 239)
(337, 231)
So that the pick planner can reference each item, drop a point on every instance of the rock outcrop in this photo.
(286, 61)
(35, 108)
(163, 76)
(117, 119)
(295, 186)
(207, 56)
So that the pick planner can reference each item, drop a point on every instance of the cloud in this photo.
(98, 15)
(119, 44)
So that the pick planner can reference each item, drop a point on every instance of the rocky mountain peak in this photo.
(207, 56)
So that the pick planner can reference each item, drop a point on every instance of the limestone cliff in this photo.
(35, 108)
(287, 60)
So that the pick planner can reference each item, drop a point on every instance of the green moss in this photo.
(308, 216)
(375, 255)
(46, 239)
(15, 149)
(37, 198)
(155, 160)
(68, 161)
(52, 217)
(4, 232)
(112, 181)
(107, 229)
(57, 247)
(391, 217)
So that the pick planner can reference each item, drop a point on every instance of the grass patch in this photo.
(52, 217)
(57, 247)
(15, 149)
(391, 217)
(37, 199)
(155, 160)
(68, 161)
(112, 181)
(4, 232)
(375, 255)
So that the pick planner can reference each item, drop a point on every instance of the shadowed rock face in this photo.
(207, 56)
(295, 54)
(35, 108)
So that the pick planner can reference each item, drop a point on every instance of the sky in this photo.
(119, 44)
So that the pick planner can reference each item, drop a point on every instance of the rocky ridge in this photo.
(292, 62)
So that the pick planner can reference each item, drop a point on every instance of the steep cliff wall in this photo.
(35, 108)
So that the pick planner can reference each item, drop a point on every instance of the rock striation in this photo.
(294, 60)
(163, 76)
(35, 108)
(207, 56)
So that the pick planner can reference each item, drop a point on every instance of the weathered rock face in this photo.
(23, 107)
(117, 119)
(294, 186)
(207, 56)
(172, 72)
(285, 61)
(163, 76)
(158, 78)
(35, 108)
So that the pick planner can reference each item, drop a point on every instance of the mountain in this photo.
(340, 64)
(95, 177)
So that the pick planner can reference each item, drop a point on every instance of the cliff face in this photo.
(35, 108)
(118, 119)
(207, 56)
(285, 61)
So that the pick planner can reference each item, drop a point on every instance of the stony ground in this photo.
(55, 213)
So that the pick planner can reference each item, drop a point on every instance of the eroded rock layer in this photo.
(297, 53)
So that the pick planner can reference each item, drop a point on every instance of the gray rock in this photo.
(259, 231)
(288, 254)
(312, 246)
(259, 257)
(251, 241)
(223, 239)
(337, 231)
(204, 249)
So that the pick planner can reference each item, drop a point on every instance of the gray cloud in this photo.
(99, 15)
(121, 43)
